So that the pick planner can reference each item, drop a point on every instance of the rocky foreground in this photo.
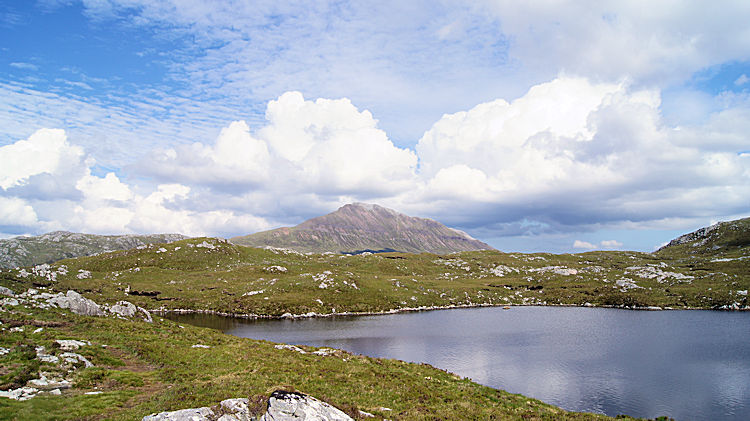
(281, 406)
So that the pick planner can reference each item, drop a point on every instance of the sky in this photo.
(559, 126)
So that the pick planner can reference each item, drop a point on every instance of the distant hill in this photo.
(58, 245)
(720, 238)
(360, 226)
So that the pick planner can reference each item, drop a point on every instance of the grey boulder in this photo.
(77, 304)
(129, 310)
(294, 406)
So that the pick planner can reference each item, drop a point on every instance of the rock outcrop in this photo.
(77, 303)
(361, 227)
(282, 406)
(54, 246)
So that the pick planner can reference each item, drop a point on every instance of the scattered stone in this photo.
(205, 244)
(261, 291)
(20, 394)
(291, 348)
(56, 392)
(9, 302)
(83, 274)
(6, 291)
(73, 358)
(71, 344)
(230, 410)
(275, 269)
(38, 330)
(200, 346)
(4, 351)
(42, 356)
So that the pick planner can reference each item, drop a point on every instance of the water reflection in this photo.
(684, 364)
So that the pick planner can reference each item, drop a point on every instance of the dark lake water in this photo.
(689, 365)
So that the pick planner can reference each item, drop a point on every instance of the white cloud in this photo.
(47, 151)
(611, 244)
(16, 212)
(578, 244)
(573, 153)
(108, 188)
(742, 80)
(323, 146)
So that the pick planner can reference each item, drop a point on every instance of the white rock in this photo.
(200, 346)
(74, 358)
(71, 344)
(6, 291)
(9, 302)
(20, 394)
(77, 304)
(293, 406)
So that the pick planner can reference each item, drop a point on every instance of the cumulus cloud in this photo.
(742, 80)
(47, 151)
(101, 204)
(323, 146)
(571, 153)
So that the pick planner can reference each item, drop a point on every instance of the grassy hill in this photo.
(213, 275)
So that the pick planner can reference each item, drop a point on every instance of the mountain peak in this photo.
(365, 226)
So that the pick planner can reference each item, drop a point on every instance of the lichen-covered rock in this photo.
(228, 410)
(192, 414)
(6, 291)
(77, 304)
(293, 406)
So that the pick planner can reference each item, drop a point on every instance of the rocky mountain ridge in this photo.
(719, 238)
(361, 226)
(58, 245)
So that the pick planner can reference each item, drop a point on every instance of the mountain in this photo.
(720, 238)
(364, 227)
(53, 246)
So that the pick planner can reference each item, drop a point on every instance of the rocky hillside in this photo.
(54, 246)
(364, 227)
(730, 237)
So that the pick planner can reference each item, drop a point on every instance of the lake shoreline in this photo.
(252, 316)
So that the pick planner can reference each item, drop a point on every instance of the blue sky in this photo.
(553, 126)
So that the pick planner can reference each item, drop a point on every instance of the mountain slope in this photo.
(359, 226)
(721, 238)
(53, 246)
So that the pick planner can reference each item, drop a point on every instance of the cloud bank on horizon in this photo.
(560, 127)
